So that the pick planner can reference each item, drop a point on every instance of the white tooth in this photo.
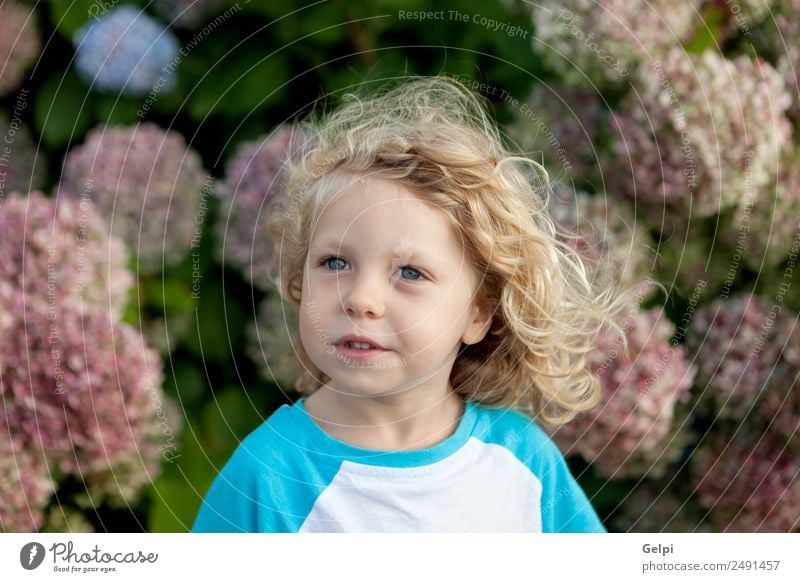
(360, 345)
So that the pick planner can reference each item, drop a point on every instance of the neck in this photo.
(405, 421)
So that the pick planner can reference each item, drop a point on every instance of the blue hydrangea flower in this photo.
(126, 50)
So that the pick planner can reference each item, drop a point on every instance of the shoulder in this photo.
(517, 432)
(273, 454)
(261, 454)
(564, 506)
(525, 448)
(254, 489)
(272, 441)
(525, 439)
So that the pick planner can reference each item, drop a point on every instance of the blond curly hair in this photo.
(436, 137)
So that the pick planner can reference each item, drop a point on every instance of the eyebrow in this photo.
(413, 254)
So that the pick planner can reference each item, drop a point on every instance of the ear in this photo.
(479, 324)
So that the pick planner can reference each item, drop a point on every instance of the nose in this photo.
(364, 296)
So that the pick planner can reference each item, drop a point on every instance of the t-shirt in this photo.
(498, 472)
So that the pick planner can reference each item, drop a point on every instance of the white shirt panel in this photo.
(480, 488)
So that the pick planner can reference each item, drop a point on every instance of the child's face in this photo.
(384, 265)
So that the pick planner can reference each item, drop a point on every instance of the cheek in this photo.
(321, 289)
(439, 328)
(422, 332)
(311, 326)
(316, 342)
(305, 327)
(437, 311)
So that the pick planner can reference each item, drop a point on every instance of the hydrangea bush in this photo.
(606, 234)
(270, 341)
(605, 41)
(23, 167)
(561, 126)
(148, 185)
(19, 43)
(80, 390)
(629, 434)
(62, 253)
(747, 478)
(739, 341)
(254, 178)
(701, 133)
(125, 50)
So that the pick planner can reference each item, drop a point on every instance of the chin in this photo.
(362, 385)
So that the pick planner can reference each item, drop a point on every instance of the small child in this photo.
(434, 300)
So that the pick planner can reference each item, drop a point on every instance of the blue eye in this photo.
(337, 260)
(414, 271)
(335, 263)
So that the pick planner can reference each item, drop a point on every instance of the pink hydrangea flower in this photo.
(749, 479)
(700, 134)
(601, 41)
(269, 341)
(605, 232)
(561, 126)
(738, 342)
(80, 391)
(764, 229)
(781, 403)
(77, 384)
(147, 184)
(254, 178)
(19, 43)
(774, 36)
(22, 166)
(61, 253)
(634, 430)
(25, 482)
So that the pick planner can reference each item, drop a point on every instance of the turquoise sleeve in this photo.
(565, 507)
(231, 504)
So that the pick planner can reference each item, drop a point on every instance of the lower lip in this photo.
(357, 354)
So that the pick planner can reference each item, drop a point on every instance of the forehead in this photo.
(375, 212)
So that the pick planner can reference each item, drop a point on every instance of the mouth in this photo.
(356, 347)
(359, 353)
(357, 342)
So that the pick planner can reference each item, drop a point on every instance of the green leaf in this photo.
(174, 505)
(708, 32)
(170, 102)
(221, 322)
(231, 416)
(178, 492)
(131, 314)
(115, 110)
(205, 447)
(395, 5)
(244, 82)
(168, 294)
(270, 10)
(259, 85)
(63, 110)
(187, 386)
(68, 16)
(321, 25)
